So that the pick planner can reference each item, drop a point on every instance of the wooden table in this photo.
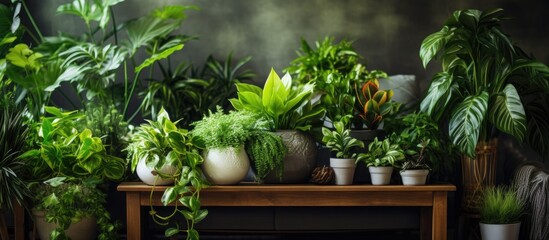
(431, 198)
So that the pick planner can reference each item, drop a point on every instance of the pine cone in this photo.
(323, 175)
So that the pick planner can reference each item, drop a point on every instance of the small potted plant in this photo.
(341, 143)
(500, 214)
(381, 157)
(414, 170)
(292, 112)
(225, 137)
(69, 169)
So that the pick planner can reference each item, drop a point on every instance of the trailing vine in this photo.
(267, 152)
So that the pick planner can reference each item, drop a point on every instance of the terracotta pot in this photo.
(300, 159)
(226, 166)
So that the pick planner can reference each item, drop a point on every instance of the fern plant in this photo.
(267, 152)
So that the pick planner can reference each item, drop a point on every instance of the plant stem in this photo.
(32, 21)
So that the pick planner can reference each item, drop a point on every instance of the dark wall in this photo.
(387, 33)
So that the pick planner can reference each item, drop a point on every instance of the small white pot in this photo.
(344, 170)
(380, 175)
(500, 231)
(150, 177)
(226, 166)
(414, 177)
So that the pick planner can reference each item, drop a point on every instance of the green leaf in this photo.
(201, 214)
(171, 232)
(22, 56)
(146, 29)
(432, 44)
(169, 196)
(466, 120)
(507, 113)
(56, 181)
(159, 56)
(440, 86)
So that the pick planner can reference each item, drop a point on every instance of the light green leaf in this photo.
(432, 44)
(466, 121)
(159, 56)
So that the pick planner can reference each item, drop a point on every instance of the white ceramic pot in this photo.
(380, 175)
(344, 170)
(414, 177)
(85, 229)
(500, 231)
(226, 166)
(150, 177)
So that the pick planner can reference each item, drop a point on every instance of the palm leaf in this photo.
(507, 113)
(466, 121)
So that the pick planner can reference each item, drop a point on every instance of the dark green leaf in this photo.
(466, 120)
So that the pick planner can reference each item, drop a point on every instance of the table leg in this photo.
(440, 217)
(425, 227)
(133, 215)
(19, 221)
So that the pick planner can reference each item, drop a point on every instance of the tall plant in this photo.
(486, 83)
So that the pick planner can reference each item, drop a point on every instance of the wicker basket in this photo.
(477, 174)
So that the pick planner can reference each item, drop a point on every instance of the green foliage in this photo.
(106, 121)
(267, 152)
(220, 130)
(501, 205)
(13, 136)
(340, 141)
(335, 69)
(286, 106)
(67, 149)
(67, 200)
(188, 93)
(419, 135)
(486, 83)
(161, 143)
(382, 154)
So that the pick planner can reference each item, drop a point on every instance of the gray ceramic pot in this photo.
(300, 159)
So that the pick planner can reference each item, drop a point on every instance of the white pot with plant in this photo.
(292, 111)
(414, 170)
(381, 157)
(341, 143)
(225, 136)
(500, 214)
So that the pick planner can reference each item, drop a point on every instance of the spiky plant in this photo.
(501, 205)
(13, 135)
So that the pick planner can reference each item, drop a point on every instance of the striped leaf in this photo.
(507, 113)
(432, 44)
(466, 121)
(439, 87)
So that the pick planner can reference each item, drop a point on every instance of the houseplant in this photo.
(381, 157)
(500, 214)
(486, 85)
(226, 137)
(342, 144)
(161, 143)
(69, 166)
(290, 111)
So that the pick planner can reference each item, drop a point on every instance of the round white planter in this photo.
(85, 229)
(414, 177)
(226, 166)
(500, 231)
(344, 170)
(149, 176)
(380, 175)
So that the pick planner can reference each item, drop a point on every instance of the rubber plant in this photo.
(160, 143)
(487, 84)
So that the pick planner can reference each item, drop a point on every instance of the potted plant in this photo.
(69, 167)
(341, 143)
(486, 85)
(225, 137)
(161, 143)
(425, 147)
(381, 157)
(500, 214)
(414, 170)
(290, 111)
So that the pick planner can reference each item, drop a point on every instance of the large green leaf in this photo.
(466, 120)
(158, 56)
(432, 44)
(440, 86)
(507, 113)
(144, 30)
